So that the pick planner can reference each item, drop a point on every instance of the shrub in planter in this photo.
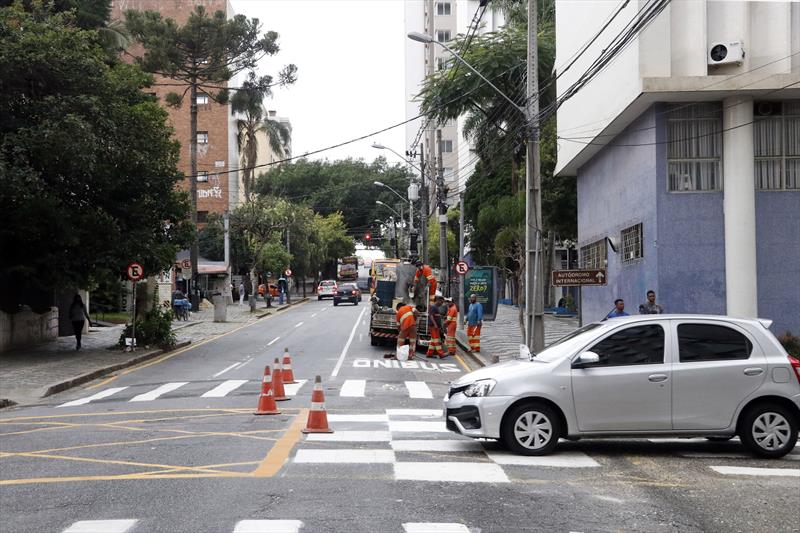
(154, 329)
(791, 343)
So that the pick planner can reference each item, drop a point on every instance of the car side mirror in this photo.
(586, 358)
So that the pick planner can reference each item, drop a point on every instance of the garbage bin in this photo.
(220, 308)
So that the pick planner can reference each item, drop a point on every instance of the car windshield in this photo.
(328, 283)
(569, 342)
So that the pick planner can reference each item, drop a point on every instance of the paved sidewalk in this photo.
(27, 374)
(502, 337)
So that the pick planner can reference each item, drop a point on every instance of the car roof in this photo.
(675, 316)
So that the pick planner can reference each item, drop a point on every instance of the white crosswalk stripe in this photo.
(418, 389)
(268, 526)
(344, 456)
(100, 395)
(224, 388)
(450, 472)
(159, 391)
(292, 389)
(748, 471)
(101, 526)
(434, 527)
(353, 388)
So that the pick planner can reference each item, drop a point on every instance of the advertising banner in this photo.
(482, 281)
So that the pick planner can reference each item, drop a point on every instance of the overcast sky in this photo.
(350, 60)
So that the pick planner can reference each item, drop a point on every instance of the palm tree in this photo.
(248, 102)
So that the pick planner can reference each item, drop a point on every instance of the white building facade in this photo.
(444, 20)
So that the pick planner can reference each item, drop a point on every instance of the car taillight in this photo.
(796, 366)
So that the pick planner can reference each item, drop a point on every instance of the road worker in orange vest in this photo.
(407, 327)
(451, 323)
(436, 329)
(426, 272)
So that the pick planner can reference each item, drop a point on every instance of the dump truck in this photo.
(391, 279)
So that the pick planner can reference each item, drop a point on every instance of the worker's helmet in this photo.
(418, 262)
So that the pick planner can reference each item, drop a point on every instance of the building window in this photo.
(776, 140)
(202, 99)
(202, 217)
(594, 255)
(694, 147)
(632, 243)
(202, 137)
(443, 8)
(443, 63)
(442, 35)
(447, 146)
(202, 175)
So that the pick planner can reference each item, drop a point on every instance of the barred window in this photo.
(594, 254)
(443, 8)
(776, 140)
(202, 175)
(442, 35)
(694, 147)
(202, 137)
(632, 244)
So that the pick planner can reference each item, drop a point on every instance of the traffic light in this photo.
(367, 237)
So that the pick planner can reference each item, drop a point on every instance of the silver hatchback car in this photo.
(651, 375)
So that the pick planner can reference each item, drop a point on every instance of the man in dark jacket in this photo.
(436, 328)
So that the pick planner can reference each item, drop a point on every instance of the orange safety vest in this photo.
(428, 273)
(451, 320)
(405, 317)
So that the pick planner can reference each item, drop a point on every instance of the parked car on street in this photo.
(326, 289)
(653, 375)
(347, 292)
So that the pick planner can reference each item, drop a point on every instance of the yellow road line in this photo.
(80, 415)
(114, 462)
(184, 350)
(279, 453)
(463, 364)
(72, 479)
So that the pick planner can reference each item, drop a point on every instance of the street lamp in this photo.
(379, 146)
(387, 206)
(534, 286)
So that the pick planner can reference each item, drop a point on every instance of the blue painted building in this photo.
(688, 172)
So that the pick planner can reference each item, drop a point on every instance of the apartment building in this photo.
(443, 20)
(217, 177)
(686, 149)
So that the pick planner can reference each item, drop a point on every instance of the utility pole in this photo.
(394, 234)
(442, 217)
(227, 243)
(534, 293)
(194, 250)
(423, 222)
(459, 257)
(430, 69)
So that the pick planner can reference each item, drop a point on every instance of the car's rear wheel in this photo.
(319, 297)
(335, 303)
(531, 429)
(768, 430)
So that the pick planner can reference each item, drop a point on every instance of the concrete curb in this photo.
(273, 310)
(476, 357)
(100, 372)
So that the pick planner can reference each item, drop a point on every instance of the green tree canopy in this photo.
(345, 187)
(87, 163)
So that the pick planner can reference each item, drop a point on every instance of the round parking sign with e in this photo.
(462, 267)
(135, 272)
(287, 272)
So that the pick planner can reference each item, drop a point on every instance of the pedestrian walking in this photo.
(650, 307)
(241, 293)
(474, 322)
(619, 309)
(451, 323)
(435, 328)
(407, 327)
(77, 313)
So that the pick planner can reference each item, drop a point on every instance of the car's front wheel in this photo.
(531, 429)
(768, 430)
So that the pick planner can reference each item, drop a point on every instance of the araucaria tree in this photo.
(88, 167)
(202, 55)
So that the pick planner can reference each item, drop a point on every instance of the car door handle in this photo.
(755, 371)
(657, 377)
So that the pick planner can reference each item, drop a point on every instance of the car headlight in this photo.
(480, 388)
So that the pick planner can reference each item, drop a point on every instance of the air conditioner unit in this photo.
(726, 53)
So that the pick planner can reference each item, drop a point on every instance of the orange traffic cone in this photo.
(287, 374)
(277, 383)
(266, 400)
(317, 417)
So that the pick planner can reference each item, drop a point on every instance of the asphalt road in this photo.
(173, 446)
